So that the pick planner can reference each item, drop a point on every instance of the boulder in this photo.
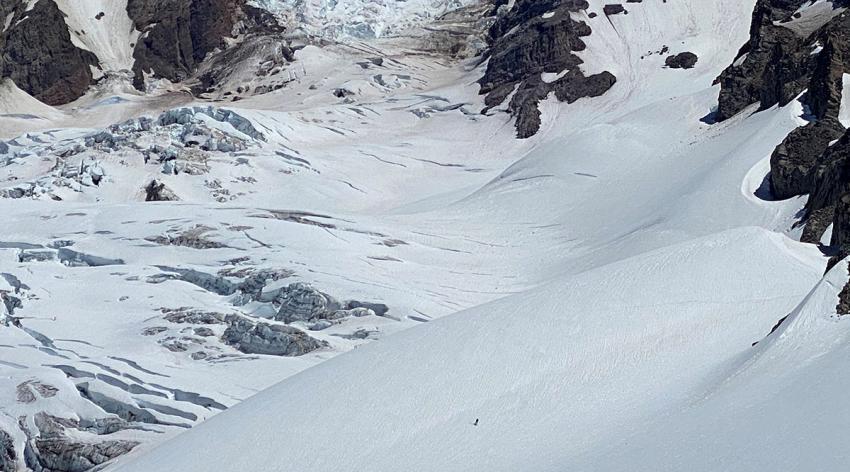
(684, 60)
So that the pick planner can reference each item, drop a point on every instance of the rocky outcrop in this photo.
(684, 60)
(843, 307)
(252, 337)
(177, 35)
(785, 55)
(36, 52)
(156, 191)
(767, 67)
(792, 51)
(531, 55)
(793, 162)
(8, 456)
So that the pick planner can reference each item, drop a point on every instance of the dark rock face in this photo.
(843, 307)
(533, 38)
(157, 192)
(178, 34)
(614, 9)
(684, 60)
(8, 457)
(793, 161)
(785, 56)
(36, 52)
(777, 63)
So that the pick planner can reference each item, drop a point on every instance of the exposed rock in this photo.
(31, 390)
(36, 52)
(843, 307)
(154, 330)
(841, 224)
(156, 191)
(204, 332)
(816, 224)
(794, 160)
(8, 456)
(785, 56)
(262, 338)
(223, 71)
(777, 64)
(179, 34)
(533, 40)
(614, 9)
(683, 60)
(831, 178)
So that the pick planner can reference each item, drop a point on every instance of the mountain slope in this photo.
(551, 374)
(324, 249)
(647, 307)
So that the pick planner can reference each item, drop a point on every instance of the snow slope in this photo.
(633, 349)
(552, 373)
(590, 296)
(104, 28)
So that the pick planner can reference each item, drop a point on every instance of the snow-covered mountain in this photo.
(426, 235)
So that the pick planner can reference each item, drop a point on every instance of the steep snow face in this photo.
(359, 19)
(104, 28)
(773, 409)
